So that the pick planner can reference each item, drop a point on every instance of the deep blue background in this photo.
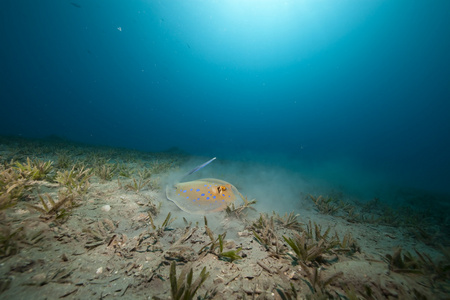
(361, 81)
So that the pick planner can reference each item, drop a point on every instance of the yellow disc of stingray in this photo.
(203, 196)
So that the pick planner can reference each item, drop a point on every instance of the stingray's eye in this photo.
(221, 188)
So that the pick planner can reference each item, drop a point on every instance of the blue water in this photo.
(363, 83)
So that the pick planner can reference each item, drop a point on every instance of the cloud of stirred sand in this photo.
(282, 185)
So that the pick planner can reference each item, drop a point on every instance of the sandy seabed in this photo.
(117, 240)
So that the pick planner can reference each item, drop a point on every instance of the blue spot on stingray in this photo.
(187, 197)
(197, 190)
(179, 194)
(223, 200)
(191, 190)
(207, 198)
(206, 185)
(223, 195)
(193, 200)
(214, 197)
(203, 194)
(209, 192)
(184, 191)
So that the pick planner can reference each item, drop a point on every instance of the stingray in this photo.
(202, 196)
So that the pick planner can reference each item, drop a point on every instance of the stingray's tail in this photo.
(199, 167)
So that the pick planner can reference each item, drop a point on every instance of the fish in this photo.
(199, 167)
(203, 196)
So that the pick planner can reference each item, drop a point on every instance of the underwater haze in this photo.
(344, 90)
